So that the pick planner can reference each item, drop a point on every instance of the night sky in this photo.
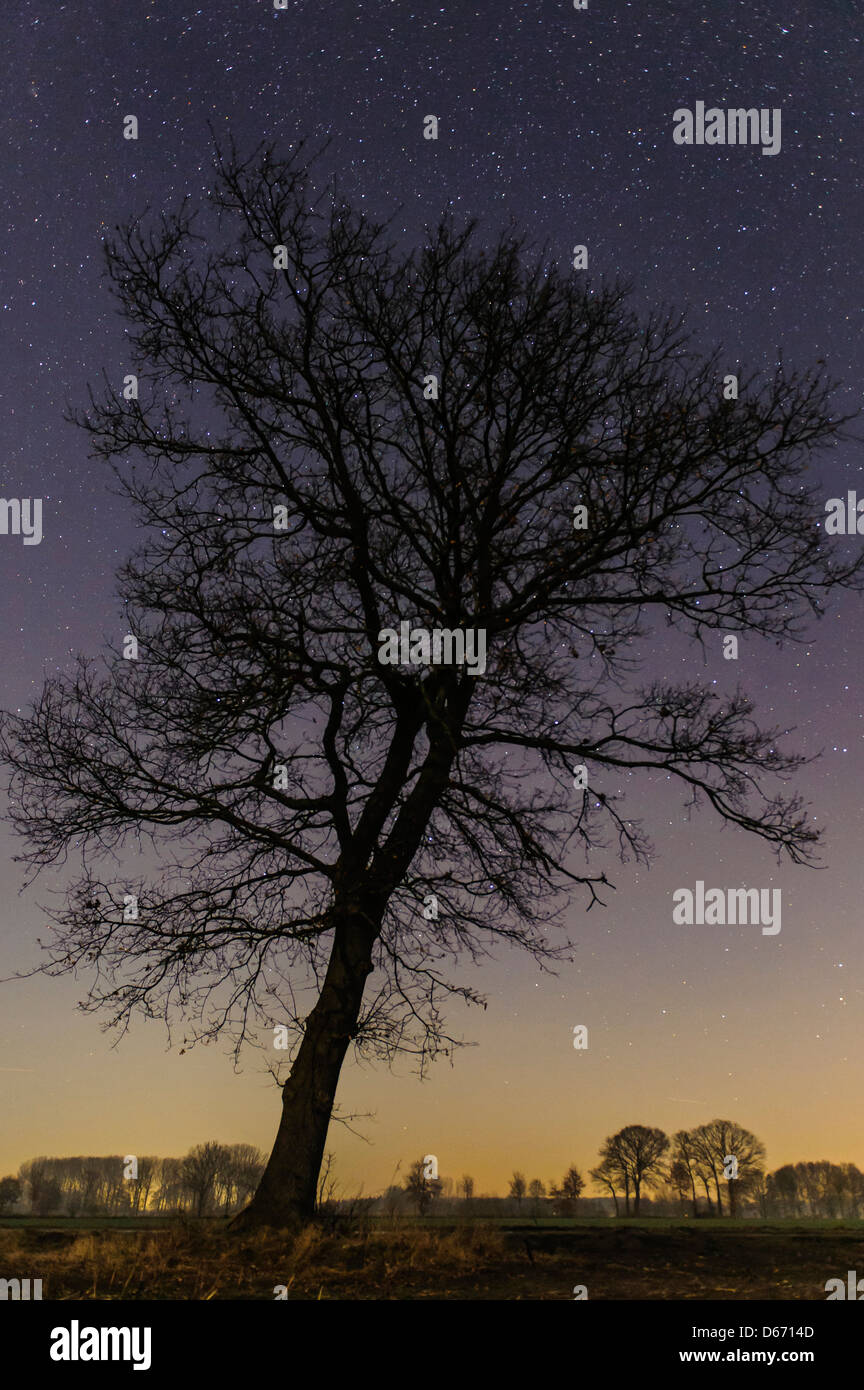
(560, 122)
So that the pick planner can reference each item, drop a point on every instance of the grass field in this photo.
(163, 1258)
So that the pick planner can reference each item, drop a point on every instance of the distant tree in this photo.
(717, 1142)
(705, 1168)
(148, 1174)
(249, 1164)
(816, 1188)
(326, 1182)
(199, 1171)
(573, 1184)
(835, 1183)
(518, 1188)
(421, 1189)
(613, 1169)
(568, 1194)
(537, 1194)
(753, 1194)
(10, 1193)
(637, 1151)
(608, 1174)
(854, 1190)
(810, 1184)
(466, 1187)
(92, 1181)
(35, 1175)
(114, 1191)
(393, 1199)
(685, 1151)
(139, 1188)
(682, 1182)
(169, 1194)
(47, 1198)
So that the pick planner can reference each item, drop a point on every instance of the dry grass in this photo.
(393, 1260)
(186, 1262)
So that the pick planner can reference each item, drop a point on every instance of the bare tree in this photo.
(331, 437)
(422, 1189)
(141, 1186)
(682, 1183)
(10, 1193)
(685, 1153)
(748, 1152)
(607, 1174)
(199, 1172)
(326, 1182)
(572, 1186)
(466, 1187)
(537, 1193)
(637, 1151)
(854, 1190)
(783, 1191)
(720, 1141)
(518, 1188)
(709, 1164)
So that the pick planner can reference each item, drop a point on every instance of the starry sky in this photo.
(559, 122)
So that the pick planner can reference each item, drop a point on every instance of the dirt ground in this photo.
(742, 1261)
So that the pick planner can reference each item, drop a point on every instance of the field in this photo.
(386, 1258)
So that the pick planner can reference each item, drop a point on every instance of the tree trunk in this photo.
(286, 1193)
(637, 1192)
(695, 1200)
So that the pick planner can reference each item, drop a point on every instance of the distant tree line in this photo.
(714, 1169)
(641, 1171)
(815, 1189)
(210, 1179)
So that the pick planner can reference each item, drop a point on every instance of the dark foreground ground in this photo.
(415, 1260)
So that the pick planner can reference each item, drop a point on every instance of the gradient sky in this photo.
(562, 122)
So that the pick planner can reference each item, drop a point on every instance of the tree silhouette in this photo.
(422, 1190)
(681, 1181)
(571, 1189)
(687, 1153)
(199, 1171)
(607, 1174)
(332, 436)
(721, 1139)
(517, 1189)
(10, 1193)
(636, 1152)
(466, 1187)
